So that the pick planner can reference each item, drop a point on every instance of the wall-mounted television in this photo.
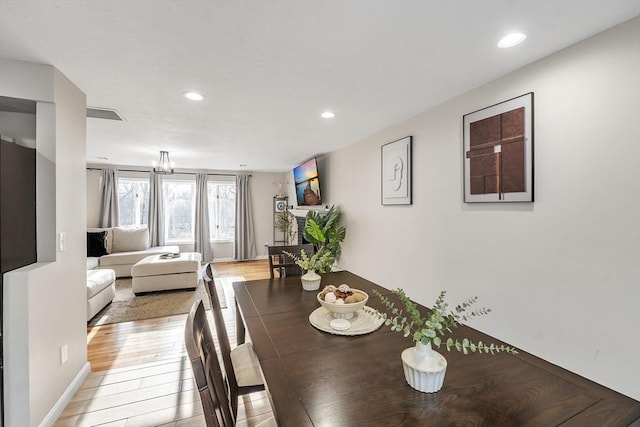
(305, 177)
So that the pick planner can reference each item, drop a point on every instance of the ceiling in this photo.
(269, 68)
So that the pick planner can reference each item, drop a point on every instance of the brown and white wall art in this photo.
(498, 152)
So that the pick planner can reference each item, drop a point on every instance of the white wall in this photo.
(561, 274)
(263, 189)
(20, 126)
(93, 198)
(45, 303)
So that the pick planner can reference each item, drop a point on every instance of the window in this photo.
(133, 198)
(179, 198)
(222, 210)
(179, 210)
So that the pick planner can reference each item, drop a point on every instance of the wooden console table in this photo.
(319, 379)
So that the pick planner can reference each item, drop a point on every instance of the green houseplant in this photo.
(285, 222)
(319, 261)
(424, 368)
(316, 262)
(323, 230)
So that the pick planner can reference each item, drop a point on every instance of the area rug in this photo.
(127, 307)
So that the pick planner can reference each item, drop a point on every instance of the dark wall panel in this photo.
(17, 206)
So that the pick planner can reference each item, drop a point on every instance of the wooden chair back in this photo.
(208, 273)
(221, 332)
(207, 373)
(283, 263)
(235, 390)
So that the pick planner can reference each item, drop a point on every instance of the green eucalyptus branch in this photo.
(434, 326)
(321, 261)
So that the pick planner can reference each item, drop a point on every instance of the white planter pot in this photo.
(310, 281)
(424, 368)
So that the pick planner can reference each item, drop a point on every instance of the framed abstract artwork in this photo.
(396, 172)
(498, 152)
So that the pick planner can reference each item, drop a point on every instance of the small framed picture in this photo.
(396, 172)
(498, 152)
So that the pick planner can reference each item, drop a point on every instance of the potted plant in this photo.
(285, 222)
(319, 261)
(424, 368)
(323, 229)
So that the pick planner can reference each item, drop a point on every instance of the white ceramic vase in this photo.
(424, 368)
(310, 281)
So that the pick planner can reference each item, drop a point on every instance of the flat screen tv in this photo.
(307, 183)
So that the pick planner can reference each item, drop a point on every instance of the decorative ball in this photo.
(350, 299)
(344, 288)
(326, 290)
(339, 301)
(358, 296)
(330, 297)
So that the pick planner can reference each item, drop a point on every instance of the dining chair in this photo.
(206, 368)
(241, 364)
(283, 263)
(207, 372)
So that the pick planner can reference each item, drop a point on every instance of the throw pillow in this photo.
(96, 244)
(130, 239)
(108, 238)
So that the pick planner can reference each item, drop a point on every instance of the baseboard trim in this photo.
(66, 397)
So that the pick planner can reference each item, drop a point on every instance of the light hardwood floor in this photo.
(141, 376)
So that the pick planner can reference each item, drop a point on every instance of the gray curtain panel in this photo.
(202, 241)
(156, 211)
(109, 210)
(245, 237)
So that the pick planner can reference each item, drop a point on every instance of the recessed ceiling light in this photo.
(328, 115)
(194, 96)
(511, 40)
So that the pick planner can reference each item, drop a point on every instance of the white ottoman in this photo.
(101, 289)
(154, 273)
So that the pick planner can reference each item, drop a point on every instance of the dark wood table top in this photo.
(319, 379)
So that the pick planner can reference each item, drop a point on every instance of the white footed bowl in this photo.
(344, 311)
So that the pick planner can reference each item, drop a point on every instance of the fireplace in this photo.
(300, 220)
(301, 216)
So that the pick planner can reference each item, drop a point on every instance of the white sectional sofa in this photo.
(101, 289)
(125, 247)
(116, 250)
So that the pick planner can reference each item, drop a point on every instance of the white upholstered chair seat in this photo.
(213, 388)
(246, 365)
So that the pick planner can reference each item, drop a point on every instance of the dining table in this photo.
(318, 377)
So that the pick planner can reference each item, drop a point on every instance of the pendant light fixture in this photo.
(164, 166)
